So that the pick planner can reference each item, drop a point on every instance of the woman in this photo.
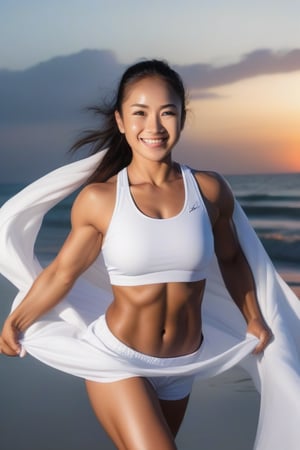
(158, 225)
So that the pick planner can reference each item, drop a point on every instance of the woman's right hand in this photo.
(9, 343)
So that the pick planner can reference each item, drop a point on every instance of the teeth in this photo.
(153, 141)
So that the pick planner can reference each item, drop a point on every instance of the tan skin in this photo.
(159, 319)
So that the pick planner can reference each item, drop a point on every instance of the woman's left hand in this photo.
(258, 328)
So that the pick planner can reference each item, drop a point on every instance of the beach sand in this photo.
(42, 408)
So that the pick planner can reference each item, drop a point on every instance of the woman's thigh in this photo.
(131, 414)
(174, 411)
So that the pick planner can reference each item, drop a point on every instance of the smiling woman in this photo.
(184, 288)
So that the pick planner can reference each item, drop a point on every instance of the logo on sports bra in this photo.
(195, 206)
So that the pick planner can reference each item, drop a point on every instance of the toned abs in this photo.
(162, 320)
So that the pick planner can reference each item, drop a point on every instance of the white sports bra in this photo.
(139, 249)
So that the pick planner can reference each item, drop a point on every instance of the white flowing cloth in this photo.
(56, 339)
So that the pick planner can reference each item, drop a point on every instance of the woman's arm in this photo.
(236, 272)
(78, 252)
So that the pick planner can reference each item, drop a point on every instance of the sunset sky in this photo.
(245, 104)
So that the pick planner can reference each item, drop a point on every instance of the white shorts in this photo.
(166, 387)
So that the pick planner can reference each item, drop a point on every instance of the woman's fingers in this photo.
(6, 349)
(9, 344)
(264, 339)
(259, 329)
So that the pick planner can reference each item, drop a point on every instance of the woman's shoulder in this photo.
(96, 198)
(213, 186)
(98, 192)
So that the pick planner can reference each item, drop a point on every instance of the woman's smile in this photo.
(154, 142)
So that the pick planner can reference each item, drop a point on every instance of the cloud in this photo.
(60, 88)
(56, 89)
(256, 63)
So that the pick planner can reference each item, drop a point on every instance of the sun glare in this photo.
(261, 114)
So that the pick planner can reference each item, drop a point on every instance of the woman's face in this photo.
(150, 118)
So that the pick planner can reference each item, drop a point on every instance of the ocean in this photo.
(41, 408)
(272, 204)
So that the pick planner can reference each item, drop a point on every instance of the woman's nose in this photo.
(154, 123)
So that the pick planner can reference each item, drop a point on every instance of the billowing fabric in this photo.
(148, 254)
(59, 338)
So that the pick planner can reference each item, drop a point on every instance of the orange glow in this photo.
(292, 157)
(257, 121)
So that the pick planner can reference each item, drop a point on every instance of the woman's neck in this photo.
(153, 172)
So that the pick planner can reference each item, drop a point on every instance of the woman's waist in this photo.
(156, 331)
(121, 349)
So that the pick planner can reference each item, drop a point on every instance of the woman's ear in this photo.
(119, 121)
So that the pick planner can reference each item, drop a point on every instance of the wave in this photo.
(283, 248)
(288, 212)
(267, 197)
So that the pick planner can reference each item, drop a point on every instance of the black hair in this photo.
(108, 136)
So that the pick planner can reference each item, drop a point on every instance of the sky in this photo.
(240, 61)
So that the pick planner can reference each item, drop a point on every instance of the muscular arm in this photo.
(79, 251)
(232, 262)
(236, 272)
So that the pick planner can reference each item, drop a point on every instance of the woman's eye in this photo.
(169, 113)
(139, 113)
